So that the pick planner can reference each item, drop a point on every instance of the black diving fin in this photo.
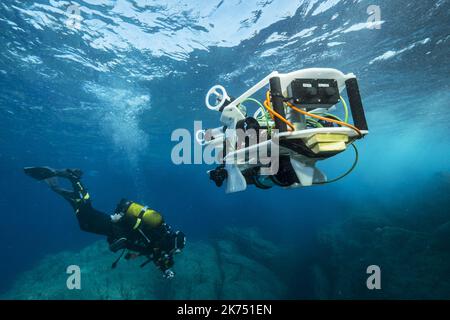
(40, 173)
(44, 173)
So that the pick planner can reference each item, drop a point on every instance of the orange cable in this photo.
(274, 113)
(312, 115)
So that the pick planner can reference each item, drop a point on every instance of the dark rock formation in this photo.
(217, 269)
(411, 268)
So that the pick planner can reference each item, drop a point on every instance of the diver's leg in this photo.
(89, 219)
(78, 193)
(75, 197)
(94, 221)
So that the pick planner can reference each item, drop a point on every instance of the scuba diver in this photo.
(132, 228)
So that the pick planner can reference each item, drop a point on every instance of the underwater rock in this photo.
(244, 278)
(250, 242)
(443, 177)
(322, 287)
(98, 281)
(441, 237)
(198, 274)
(215, 269)
(410, 268)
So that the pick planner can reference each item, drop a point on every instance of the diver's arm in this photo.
(165, 264)
(169, 274)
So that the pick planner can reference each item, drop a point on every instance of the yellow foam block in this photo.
(329, 147)
(326, 137)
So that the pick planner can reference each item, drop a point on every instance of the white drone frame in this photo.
(304, 167)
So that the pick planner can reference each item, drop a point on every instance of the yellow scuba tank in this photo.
(142, 215)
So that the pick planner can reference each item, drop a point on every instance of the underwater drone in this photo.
(294, 127)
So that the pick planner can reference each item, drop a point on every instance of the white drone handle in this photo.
(222, 95)
(257, 113)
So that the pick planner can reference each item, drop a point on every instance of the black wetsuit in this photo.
(89, 219)
(157, 244)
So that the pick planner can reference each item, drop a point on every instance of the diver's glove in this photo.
(116, 217)
(168, 274)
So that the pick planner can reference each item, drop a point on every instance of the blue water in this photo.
(106, 96)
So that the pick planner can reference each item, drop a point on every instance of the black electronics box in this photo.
(314, 93)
